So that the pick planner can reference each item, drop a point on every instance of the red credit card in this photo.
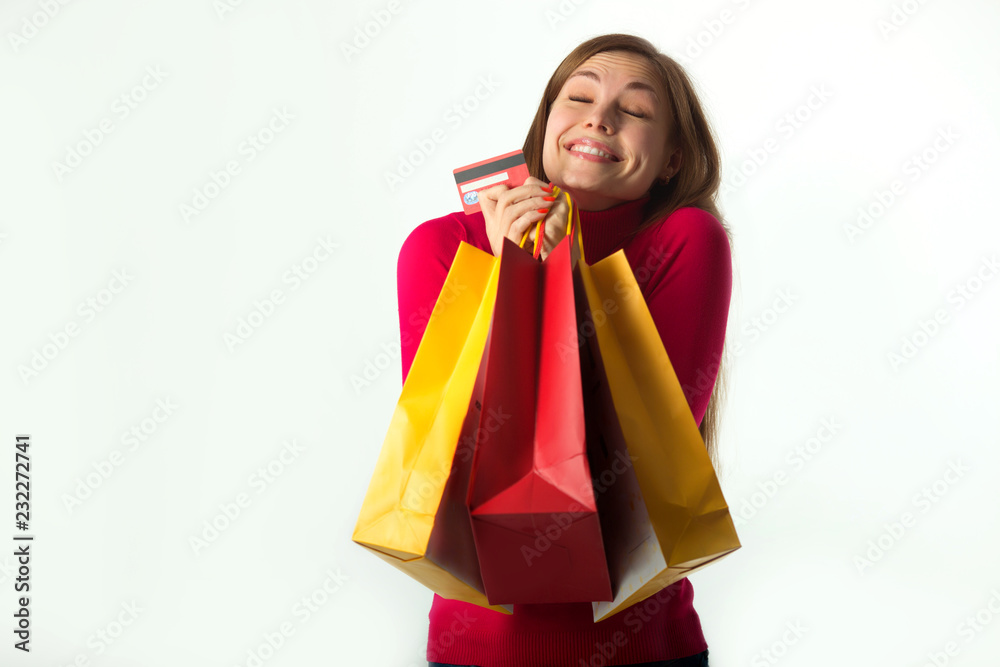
(509, 169)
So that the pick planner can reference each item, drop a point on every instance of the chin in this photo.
(581, 191)
(580, 183)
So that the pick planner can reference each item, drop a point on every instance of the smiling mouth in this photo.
(590, 150)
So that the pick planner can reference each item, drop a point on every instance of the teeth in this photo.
(583, 148)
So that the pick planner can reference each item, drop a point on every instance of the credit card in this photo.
(509, 169)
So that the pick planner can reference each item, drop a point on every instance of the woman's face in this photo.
(615, 103)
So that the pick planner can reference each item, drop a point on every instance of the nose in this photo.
(600, 119)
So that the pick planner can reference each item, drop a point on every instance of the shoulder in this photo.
(691, 224)
(437, 231)
(439, 238)
(690, 235)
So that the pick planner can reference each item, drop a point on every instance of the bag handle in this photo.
(539, 233)
(571, 215)
(573, 222)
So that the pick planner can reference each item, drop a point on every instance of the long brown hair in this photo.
(695, 184)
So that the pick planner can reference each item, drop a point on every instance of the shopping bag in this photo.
(662, 509)
(534, 517)
(414, 514)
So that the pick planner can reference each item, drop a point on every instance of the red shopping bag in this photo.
(531, 497)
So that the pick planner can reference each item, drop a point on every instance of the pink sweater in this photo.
(684, 268)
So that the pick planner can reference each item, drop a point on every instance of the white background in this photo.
(854, 299)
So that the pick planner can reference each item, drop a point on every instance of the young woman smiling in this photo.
(619, 128)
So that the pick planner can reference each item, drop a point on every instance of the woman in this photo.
(621, 130)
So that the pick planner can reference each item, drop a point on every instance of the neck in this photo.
(604, 231)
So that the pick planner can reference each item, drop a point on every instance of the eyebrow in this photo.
(631, 85)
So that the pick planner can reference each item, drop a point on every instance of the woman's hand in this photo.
(509, 212)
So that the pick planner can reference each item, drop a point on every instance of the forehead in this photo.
(620, 65)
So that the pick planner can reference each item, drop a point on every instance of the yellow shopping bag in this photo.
(414, 514)
(662, 510)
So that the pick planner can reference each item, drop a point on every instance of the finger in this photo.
(531, 188)
(493, 192)
(487, 204)
(511, 197)
(536, 207)
(519, 226)
(488, 199)
(531, 180)
(560, 209)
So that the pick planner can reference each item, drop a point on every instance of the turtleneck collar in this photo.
(604, 231)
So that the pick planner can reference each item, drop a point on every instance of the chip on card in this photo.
(509, 169)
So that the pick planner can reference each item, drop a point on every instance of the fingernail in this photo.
(547, 188)
(549, 198)
(543, 210)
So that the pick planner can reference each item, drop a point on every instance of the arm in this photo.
(424, 260)
(688, 294)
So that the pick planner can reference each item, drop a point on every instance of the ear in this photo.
(672, 165)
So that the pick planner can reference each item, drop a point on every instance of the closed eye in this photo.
(631, 113)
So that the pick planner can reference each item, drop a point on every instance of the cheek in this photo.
(550, 144)
(561, 119)
(649, 147)
(552, 130)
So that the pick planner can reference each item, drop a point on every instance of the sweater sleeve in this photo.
(423, 264)
(688, 295)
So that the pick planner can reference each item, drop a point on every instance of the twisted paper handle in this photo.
(540, 227)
